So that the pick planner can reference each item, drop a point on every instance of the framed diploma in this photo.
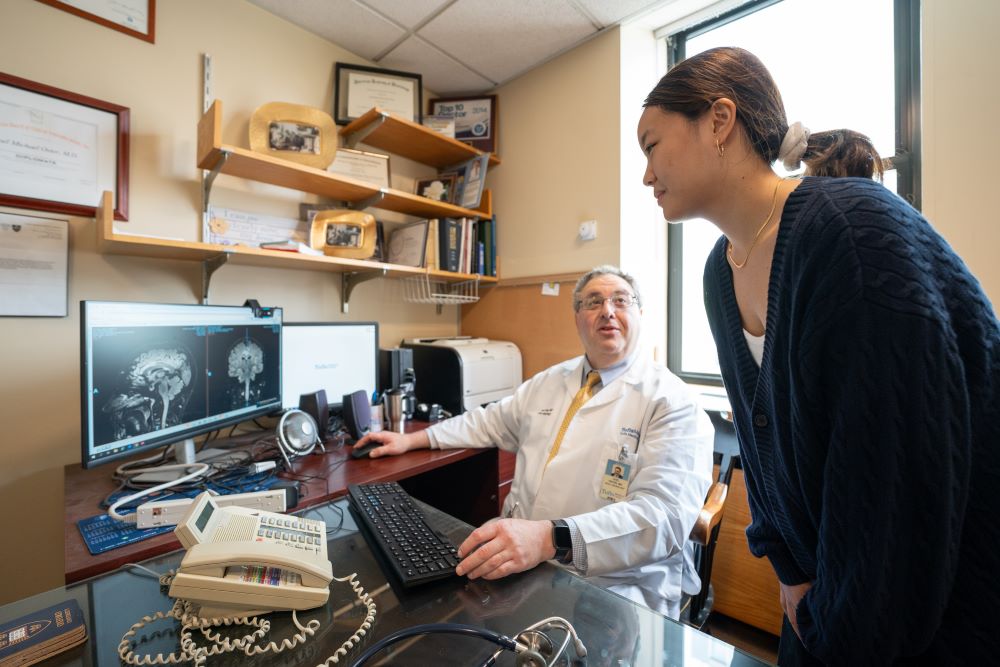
(59, 150)
(358, 88)
(370, 168)
(132, 17)
(475, 119)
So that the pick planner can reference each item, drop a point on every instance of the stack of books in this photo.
(42, 634)
(463, 245)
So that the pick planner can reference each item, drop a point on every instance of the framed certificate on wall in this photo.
(59, 151)
(358, 88)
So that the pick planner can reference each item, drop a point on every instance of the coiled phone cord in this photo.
(184, 612)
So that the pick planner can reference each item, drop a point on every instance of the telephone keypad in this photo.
(306, 534)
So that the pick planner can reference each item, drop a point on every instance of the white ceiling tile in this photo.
(440, 73)
(409, 13)
(503, 38)
(343, 22)
(612, 13)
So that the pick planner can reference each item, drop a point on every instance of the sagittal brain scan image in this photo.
(153, 383)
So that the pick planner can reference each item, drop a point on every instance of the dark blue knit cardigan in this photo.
(870, 435)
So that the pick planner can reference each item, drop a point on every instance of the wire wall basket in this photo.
(422, 289)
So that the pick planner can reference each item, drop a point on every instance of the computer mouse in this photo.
(362, 451)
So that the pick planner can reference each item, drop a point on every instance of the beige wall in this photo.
(961, 137)
(257, 58)
(563, 140)
(558, 134)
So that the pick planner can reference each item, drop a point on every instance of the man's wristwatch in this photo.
(562, 540)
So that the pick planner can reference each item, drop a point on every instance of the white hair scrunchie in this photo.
(793, 146)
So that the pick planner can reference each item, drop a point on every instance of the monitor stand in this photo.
(184, 452)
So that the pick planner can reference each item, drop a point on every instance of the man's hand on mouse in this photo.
(392, 443)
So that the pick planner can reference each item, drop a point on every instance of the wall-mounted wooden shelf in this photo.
(411, 140)
(219, 158)
(213, 255)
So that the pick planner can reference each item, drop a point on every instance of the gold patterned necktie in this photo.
(582, 396)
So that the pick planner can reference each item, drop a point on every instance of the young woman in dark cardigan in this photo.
(862, 360)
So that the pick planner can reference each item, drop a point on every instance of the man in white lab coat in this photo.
(616, 495)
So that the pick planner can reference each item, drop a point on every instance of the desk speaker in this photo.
(357, 413)
(314, 404)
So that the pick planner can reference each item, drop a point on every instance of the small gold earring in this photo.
(720, 148)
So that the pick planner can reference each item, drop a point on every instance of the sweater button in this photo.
(760, 420)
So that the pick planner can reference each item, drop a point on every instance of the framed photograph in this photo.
(470, 180)
(370, 168)
(294, 132)
(407, 244)
(60, 150)
(132, 17)
(475, 119)
(358, 88)
(438, 188)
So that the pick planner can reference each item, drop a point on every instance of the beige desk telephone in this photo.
(243, 562)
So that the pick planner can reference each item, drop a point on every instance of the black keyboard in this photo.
(396, 527)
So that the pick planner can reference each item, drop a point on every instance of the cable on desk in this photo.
(185, 612)
(503, 641)
(319, 510)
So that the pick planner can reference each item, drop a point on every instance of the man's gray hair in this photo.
(604, 270)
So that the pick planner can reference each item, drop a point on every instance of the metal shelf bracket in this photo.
(208, 267)
(362, 204)
(348, 281)
(209, 178)
(355, 138)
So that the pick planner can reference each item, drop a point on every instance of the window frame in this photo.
(906, 160)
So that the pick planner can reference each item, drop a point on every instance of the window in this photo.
(844, 64)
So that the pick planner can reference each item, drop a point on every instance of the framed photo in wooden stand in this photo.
(475, 119)
(294, 132)
(344, 233)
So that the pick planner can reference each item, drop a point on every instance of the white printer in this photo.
(461, 373)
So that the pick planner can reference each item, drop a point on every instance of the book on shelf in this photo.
(290, 246)
(448, 243)
(432, 258)
(486, 236)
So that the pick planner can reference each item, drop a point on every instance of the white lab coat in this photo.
(636, 547)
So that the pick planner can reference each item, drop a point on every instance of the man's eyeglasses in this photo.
(619, 301)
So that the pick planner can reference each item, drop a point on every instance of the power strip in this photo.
(170, 512)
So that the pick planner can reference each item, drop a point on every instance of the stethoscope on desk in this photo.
(531, 646)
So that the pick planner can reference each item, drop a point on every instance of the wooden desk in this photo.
(461, 482)
(746, 587)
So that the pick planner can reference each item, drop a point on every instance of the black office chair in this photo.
(696, 608)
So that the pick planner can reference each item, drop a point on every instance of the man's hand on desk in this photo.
(504, 547)
(392, 443)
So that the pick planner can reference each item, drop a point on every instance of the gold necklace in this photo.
(767, 221)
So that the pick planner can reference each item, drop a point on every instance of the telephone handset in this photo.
(243, 562)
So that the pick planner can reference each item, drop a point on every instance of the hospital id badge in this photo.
(617, 475)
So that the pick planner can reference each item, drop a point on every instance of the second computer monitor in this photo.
(337, 357)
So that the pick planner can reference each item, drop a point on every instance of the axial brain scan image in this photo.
(246, 363)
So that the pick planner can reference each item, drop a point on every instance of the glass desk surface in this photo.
(615, 630)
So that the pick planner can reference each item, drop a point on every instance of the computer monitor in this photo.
(157, 374)
(338, 357)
